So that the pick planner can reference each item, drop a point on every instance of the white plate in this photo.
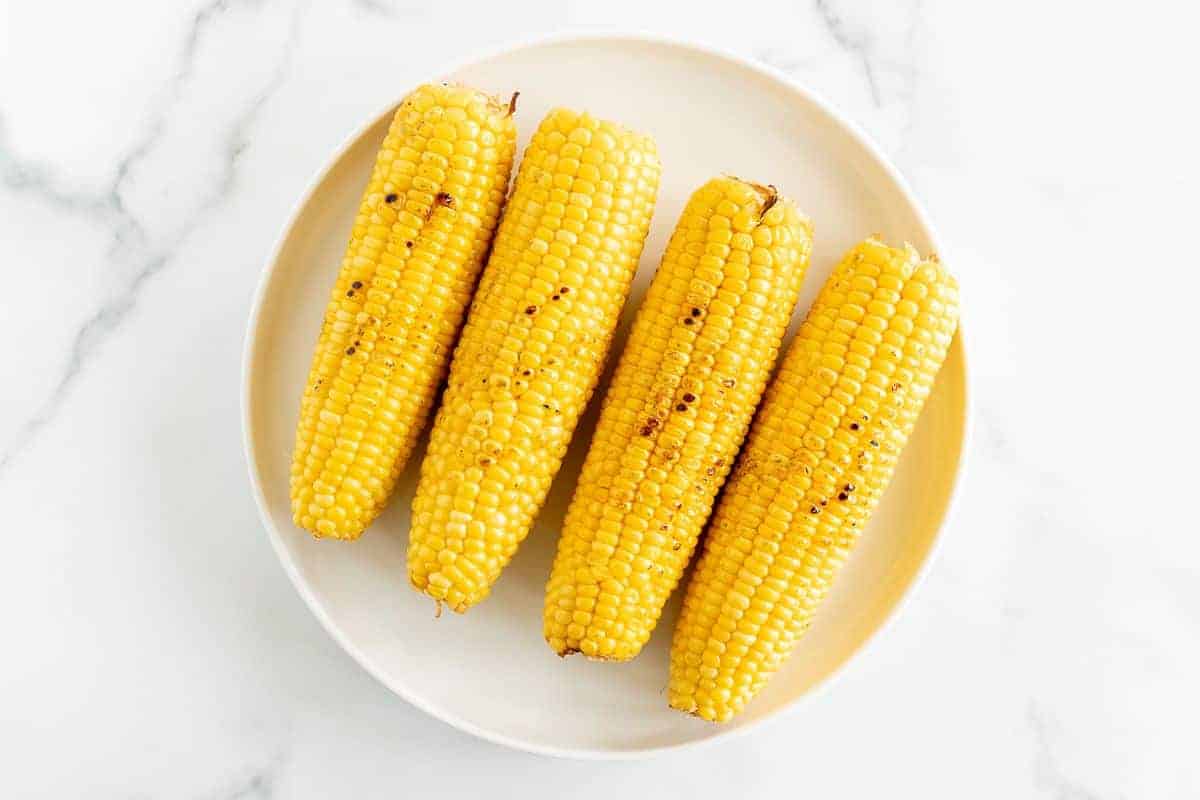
(489, 672)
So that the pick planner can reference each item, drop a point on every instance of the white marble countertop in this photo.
(149, 153)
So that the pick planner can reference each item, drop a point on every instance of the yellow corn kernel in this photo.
(423, 229)
(532, 349)
(682, 397)
(819, 455)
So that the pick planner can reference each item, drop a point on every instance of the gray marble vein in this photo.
(131, 248)
(856, 41)
(260, 783)
(391, 10)
(883, 48)
(1048, 773)
(909, 73)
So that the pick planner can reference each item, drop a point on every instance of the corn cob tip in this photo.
(494, 103)
(768, 190)
(769, 203)
(564, 652)
(688, 706)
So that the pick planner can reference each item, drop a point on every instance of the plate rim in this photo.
(315, 604)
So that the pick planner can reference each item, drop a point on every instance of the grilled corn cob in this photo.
(532, 349)
(680, 402)
(418, 242)
(818, 457)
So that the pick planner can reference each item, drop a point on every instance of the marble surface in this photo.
(149, 153)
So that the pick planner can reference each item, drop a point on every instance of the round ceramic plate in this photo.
(489, 672)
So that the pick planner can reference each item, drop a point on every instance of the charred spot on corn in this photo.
(391, 198)
(444, 199)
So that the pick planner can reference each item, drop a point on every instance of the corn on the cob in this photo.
(532, 349)
(818, 457)
(418, 242)
(703, 345)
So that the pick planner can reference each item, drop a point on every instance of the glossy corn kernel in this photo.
(419, 240)
(697, 360)
(819, 455)
(532, 349)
